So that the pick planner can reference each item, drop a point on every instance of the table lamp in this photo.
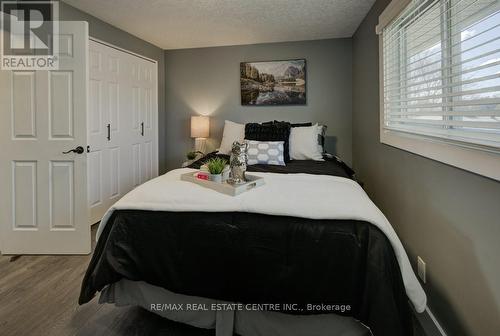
(200, 131)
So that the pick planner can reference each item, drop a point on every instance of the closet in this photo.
(122, 124)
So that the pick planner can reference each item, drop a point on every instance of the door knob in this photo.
(77, 150)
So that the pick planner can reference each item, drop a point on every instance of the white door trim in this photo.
(95, 39)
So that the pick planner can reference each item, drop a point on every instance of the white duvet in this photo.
(297, 195)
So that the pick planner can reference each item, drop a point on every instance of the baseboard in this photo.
(429, 324)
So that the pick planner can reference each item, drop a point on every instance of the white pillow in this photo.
(232, 132)
(304, 143)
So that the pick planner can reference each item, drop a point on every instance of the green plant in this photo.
(192, 155)
(216, 165)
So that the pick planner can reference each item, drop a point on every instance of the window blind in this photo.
(441, 71)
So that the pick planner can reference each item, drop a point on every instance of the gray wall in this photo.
(448, 216)
(108, 33)
(206, 81)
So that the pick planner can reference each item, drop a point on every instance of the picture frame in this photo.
(273, 83)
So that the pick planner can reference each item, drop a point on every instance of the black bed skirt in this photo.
(254, 258)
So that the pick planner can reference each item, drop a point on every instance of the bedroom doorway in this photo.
(43, 162)
(100, 108)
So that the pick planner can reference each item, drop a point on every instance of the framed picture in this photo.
(273, 82)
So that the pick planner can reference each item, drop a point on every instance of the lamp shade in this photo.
(199, 126)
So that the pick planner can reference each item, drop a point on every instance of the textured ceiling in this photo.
(176, 24)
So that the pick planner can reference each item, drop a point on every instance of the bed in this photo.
(309, 241)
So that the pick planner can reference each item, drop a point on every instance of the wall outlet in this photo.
(421, 269)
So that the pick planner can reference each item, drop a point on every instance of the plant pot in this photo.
(216, 178)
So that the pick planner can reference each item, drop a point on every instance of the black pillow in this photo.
(276, 131)
(308, 124)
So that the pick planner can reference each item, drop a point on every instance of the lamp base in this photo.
(200, 144)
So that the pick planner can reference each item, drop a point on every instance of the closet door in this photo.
(109, 110)
(122, 125)
(144, 130)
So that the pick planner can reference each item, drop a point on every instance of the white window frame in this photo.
(481, 160)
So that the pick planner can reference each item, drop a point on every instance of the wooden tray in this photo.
(225, 187)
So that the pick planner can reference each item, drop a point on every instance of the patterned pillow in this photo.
(265, 152)
(279, 131)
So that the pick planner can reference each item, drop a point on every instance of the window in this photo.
(441, 78)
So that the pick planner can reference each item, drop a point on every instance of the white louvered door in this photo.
(43, 198)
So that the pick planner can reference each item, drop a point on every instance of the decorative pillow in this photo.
(321, 133)
(265, 152)
(307, 124)
(232, 132)
(304, 124)
(270, 132)
(304, 143)
(321, 138)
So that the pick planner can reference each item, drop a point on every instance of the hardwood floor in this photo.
(39, 294)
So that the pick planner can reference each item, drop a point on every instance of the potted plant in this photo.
(215, 167)
(193, 154)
